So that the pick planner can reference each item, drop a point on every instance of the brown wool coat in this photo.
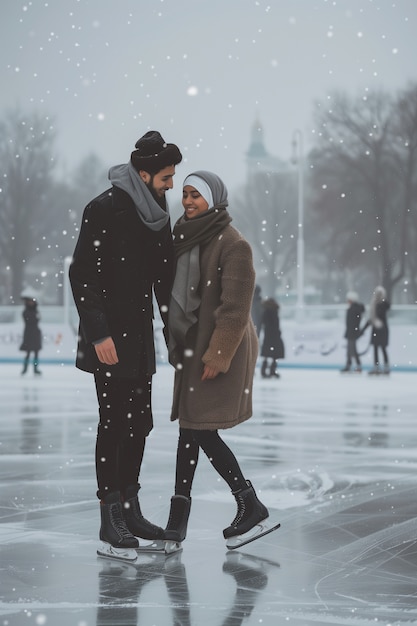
(224, 336)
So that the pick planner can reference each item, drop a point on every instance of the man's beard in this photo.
(161, 200)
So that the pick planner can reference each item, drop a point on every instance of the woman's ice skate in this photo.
(250, 522)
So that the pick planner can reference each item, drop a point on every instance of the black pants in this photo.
(125, 422)
(352, 352)
(35, 360)
(218, 453)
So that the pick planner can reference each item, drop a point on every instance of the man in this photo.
(353, 319)
(124, 254)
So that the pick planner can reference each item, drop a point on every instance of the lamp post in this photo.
(298, 159)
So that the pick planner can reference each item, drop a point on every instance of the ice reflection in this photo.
(121, 587)
(373, 432)
(31, 425)
(122, 598)
(251, 576)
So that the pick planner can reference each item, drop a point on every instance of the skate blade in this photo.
(172, 546)
(121, 554)
(153, 546)
(258, 531)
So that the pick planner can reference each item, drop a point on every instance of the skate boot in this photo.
(273, 371)
(176, 529)
(375, 371)
(264, 373)
(345, 369)
(118, 541)
(386, 369)
(137, 524)
(249, 523)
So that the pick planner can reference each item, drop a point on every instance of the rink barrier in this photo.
(315, 342)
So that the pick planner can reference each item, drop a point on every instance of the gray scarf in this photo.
(185, 299)
(150, 212)
(185, 296)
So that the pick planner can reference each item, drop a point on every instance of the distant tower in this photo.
(258, 160)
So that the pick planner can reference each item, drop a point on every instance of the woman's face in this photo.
(193, 202)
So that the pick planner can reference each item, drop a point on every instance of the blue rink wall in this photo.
(311, 344)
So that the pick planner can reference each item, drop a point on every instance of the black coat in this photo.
(272, 345)
(32, 339)
(118, 263)
(353, 319)
(380, 334)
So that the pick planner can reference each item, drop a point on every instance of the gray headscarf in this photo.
(150, 212)
(217, 187)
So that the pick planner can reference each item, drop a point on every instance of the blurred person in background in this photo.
(32, 337)
(272, 344)
(378, 322)
(354, 314)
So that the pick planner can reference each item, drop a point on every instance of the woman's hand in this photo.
(209, 372)
(106, 352)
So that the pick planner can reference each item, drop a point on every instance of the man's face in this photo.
(160, 182)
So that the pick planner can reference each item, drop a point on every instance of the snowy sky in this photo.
(200, 71)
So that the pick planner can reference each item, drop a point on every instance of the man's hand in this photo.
(106, 352)
(209, 372)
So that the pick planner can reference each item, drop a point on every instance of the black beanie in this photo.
(152, 154)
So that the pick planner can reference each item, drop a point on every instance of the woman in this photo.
(354, 314)
(378, 321)
(213, 346)
(32, 338)
(272, 345)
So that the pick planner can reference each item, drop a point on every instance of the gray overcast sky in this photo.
(197, 70)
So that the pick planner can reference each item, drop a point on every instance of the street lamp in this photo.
(298, 159)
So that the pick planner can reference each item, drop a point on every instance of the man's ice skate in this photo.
(250, 521)
(151, 537)
(176, 529)
(121, 554)
(172, 546)
(118, 541)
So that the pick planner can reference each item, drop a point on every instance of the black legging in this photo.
(218, 453)
(384, 355)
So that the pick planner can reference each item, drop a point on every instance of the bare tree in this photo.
(266, 214)
(405, 144)
(360, 186)
(65, 203)
(27, 163)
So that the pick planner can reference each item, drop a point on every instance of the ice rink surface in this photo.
(332, 456)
